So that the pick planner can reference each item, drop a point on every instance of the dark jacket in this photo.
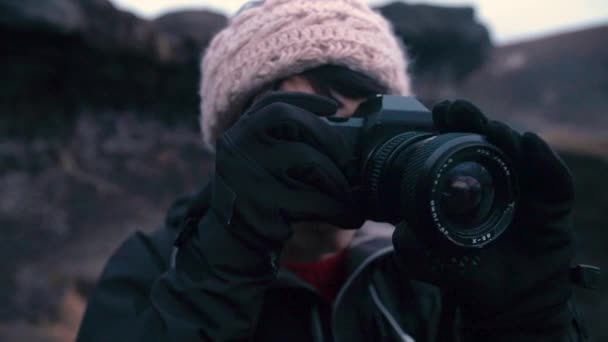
(376, 303)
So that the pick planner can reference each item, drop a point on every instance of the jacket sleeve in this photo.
(214, 293)
(122, 292)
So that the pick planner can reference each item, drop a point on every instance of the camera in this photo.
(454, 188)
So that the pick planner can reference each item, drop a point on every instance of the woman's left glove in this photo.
(519, 283)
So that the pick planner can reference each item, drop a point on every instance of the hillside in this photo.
(557, 86)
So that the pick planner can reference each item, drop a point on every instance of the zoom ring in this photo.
(415, 169)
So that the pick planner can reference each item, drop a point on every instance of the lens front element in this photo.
(464, 190)
(467, 193)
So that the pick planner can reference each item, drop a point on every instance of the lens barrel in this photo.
(454, 187)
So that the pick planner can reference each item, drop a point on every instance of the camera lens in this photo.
(453, 187)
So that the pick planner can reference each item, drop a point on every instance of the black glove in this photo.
(278, 164)
(281, 164)
(521, 281)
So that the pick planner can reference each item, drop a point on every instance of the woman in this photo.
(275, 249)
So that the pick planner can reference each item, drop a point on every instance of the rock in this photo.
(74, 56)
(444, 43)
(99, 23)
(59, 15)
(64, 207)
(197, 26)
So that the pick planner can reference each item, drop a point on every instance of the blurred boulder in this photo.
(444, 44)
(59, 15)
(65, 57)
(99, 24)
(198, 26)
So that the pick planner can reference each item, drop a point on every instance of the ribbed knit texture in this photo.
(281, 38)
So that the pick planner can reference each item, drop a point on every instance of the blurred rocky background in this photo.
(98, 133)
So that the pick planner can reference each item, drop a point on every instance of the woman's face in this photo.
(297, 83)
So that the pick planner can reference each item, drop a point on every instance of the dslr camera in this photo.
(455, 188)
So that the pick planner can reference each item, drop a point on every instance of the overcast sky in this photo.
(509, 21)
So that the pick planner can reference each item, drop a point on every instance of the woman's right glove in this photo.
(281, 164)
(278, 164)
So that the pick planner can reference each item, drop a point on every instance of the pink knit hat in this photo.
(274, 39)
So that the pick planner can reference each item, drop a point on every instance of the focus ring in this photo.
(379, 162)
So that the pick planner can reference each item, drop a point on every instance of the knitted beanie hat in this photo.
(274, 39)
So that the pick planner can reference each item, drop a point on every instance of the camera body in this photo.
(454, 188)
